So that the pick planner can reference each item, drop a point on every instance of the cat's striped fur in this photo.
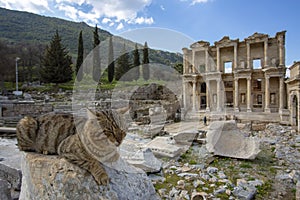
(82, 141)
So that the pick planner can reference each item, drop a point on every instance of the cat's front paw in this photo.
(102, 179)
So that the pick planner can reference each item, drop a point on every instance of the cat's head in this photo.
(107, 122)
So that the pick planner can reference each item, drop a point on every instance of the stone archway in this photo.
(294, 111)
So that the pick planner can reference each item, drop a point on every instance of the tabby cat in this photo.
(82, 141)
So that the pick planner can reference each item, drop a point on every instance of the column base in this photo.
(249, 110)
(267, 110)
(207, 109)
(236, 109)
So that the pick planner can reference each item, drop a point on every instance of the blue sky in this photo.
(194, 20)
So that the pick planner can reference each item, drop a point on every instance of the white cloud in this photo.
(70, 11)
(93, 12)
(142, 20)
(105, 20)
(198, 1)
(120, 26)
(33, 6)
(162, 8)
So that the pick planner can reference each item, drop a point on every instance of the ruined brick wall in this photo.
(23, 109)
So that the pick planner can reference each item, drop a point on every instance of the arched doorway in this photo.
(295, 111)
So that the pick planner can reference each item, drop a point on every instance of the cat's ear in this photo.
(91, 114)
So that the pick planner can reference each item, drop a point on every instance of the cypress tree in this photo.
(146, 70)
(111, 64)
(122, 64)
(56, 63)
(96, 56)
(136, 63)
(79, 70)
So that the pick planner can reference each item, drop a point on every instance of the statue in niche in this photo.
(243, 98)
(272, 98)
(215, 98)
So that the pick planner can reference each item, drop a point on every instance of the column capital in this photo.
(267, 76)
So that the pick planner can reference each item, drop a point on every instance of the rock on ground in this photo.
(51, 177)
(225, 139)
(10, 168)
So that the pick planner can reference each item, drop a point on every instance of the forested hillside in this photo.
(23, 27)
(26, 35)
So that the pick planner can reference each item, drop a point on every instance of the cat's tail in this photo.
(27, 133)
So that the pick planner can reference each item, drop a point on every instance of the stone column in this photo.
(235, 56)
(281, 93)
(248, 55)
(194, 95)
(266, 52)
(281, 51)
(184, 94)
(207, 96)
(206, 60)
(219, 95)
(193, 68)
(218, 59)
(249, 91)
(236, 94)
(267, 94)
(184, 63)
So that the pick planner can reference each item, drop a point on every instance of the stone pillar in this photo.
(194, 96)
(236, 94)
(281, 51)
(218, 59)
(266, 52)
(184, 94)
(219, 95)
(207, 96)
(206, 60)
(267, 94)
(248, 55)
(193, 69)
(235, 56)
(184, 63)
(281, 93)
(249, 91)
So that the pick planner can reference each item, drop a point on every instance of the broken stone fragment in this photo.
(225, 139)
(51, 177)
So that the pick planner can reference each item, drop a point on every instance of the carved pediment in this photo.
(200, 44)
(226, 41)
(257, 36)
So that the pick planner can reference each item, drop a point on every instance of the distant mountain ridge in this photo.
(24, 27)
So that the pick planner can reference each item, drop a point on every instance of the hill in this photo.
(23, 27)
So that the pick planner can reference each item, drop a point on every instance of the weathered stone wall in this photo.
(22, 109)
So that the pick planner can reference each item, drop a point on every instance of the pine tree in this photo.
(79, 70)
(136, 64)
(96, 56)
(111, 64)
(56, 64)
(146, 70)
(123, 65)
